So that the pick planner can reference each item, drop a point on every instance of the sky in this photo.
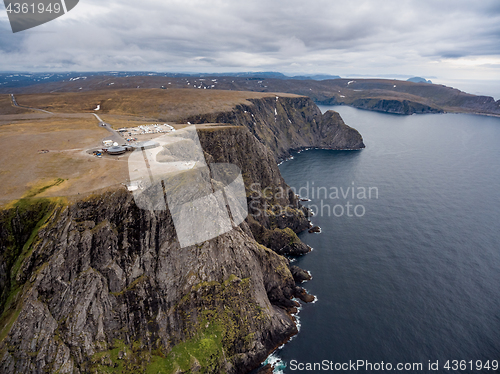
(436, 39)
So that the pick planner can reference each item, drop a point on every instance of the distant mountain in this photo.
(384, 95)
(316, 77)
(419, 80)
(245, 74)
(24, 79)
(269, 75)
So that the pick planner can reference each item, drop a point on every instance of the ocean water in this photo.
(411, 273)
(489, 87)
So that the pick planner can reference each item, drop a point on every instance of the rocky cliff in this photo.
(393, 106)
(99, 285)
(104, 287)
(286, 124)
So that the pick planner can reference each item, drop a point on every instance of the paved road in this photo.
(115, 135)
(14, 102)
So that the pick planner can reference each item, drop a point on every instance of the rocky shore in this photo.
(99, 285)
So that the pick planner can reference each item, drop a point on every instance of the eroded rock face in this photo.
(275, 213)
(100, 284)
(104, 279)
(285, 124)
(395, 106)
(115, 276)
(299, 275)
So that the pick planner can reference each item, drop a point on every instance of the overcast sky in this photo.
(447, 39)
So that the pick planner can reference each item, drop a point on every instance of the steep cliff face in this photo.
(285, 124)
(99, 285)
(275, 214)
(394, 106)
(103, 280)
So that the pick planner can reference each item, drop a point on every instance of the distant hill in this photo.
(418, 80)
(383, 95)
(316, 77)
(23, 79)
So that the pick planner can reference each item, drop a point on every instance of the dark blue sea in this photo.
(411, 273)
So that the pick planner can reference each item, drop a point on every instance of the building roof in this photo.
(116, 150)
(149, 144)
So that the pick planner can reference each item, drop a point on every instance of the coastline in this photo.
(273, 363)
(123, 265)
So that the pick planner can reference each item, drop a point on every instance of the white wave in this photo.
(278, 364)
(297, 322)
(296, 316)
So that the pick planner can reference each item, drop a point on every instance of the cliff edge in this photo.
(98, 285)
(286, 124)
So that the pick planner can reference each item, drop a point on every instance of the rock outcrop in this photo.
(275, 214)
(99, 285)
(103, 277)
(393, 106)
(285, 124)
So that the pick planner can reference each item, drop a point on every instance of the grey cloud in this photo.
(317, 36)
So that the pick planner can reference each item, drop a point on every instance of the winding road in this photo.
(14, 102)
(114, 137)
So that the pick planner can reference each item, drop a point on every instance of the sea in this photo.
(406, 269)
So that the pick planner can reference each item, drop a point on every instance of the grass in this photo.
(73, 129)
(167, 105)
(23, 167)
(36, 190)
(11, 313)
(34, 214)
(28, 247)
(6, 106)
(211, 329)
(204, 351)
(109, 361)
